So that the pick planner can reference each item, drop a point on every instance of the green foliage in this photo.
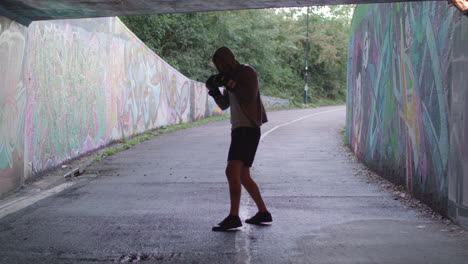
(344, 137)
(271, 40)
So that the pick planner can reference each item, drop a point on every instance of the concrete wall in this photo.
(458, 126)
(407, 93)
(68, 87)
(273, 102)
(13, 95)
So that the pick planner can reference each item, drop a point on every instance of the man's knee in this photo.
(246, 180)
(234, 171)
(245, 175)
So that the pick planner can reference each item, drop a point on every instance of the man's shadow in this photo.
(262, 225)
(239, 229)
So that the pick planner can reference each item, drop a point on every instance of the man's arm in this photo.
(222, 100)
(246, 86)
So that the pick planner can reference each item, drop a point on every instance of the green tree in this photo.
(271, 40)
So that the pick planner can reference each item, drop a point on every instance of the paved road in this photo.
(157, 202)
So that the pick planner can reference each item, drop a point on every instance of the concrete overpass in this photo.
(26, 11)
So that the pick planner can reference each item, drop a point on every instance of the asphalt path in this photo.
(157, 203)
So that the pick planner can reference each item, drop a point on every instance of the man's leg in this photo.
(233, 174)
(252, 188)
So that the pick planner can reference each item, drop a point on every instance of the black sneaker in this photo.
(260, 217)
(228, 223)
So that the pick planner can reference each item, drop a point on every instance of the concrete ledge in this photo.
(458, 214)
(273, 102)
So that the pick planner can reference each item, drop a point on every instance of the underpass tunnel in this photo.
(406, 110)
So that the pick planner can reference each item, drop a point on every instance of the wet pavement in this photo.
(157, 202)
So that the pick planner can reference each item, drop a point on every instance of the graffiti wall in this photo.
(92, 81)
(401, 86)
(458, 127)
(68, 87)
(13, 95)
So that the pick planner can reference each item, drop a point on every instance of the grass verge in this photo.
(344, 137)
(316, 103)
(128, 143)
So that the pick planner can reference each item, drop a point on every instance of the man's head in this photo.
(224, 60)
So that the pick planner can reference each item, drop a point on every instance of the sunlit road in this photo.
(157, 202)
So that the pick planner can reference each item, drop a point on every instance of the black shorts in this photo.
(244, 143)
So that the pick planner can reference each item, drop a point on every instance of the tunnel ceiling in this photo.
(26, 11)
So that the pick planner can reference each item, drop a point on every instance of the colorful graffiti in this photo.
(12, 103)
(68, 87)
(92, 81)
(399, 70)
(458, 127)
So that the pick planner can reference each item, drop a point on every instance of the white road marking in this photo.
(21, 203)
(242, 240)
(296, 120)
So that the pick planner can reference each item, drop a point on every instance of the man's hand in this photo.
(217, 80)
(231, 84)
(211, 82)
(215, 93)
